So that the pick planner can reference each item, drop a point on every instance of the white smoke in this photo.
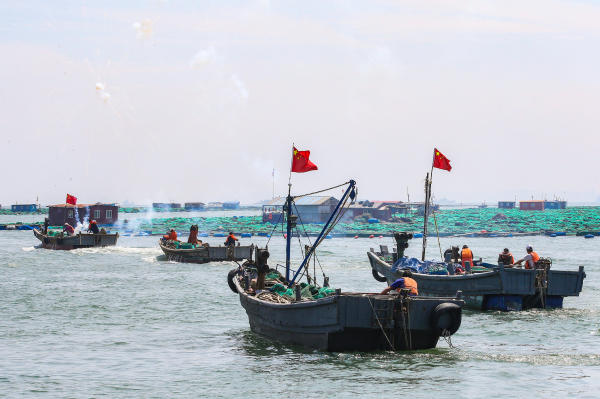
(235, 92)
(204, 57)
(100, 90)
(144, 29)
(239, 86)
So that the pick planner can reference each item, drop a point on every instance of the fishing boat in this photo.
(81, 240)
(204, 253)
(333, 320)
(494, 287)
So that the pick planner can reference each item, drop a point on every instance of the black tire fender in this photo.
(378, 276)
(230, 276)
(446, 316)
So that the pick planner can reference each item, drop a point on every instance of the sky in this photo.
(155, 101)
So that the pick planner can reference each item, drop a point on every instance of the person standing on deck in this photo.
(94, 227)
(529, 259)
(230, 239)
(193, 237)
(506, 258)
(466, 255)
(69, 229)
(405, 281)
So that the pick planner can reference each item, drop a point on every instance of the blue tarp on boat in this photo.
(416, 265)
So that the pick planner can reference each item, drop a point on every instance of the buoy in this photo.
(371, 236)
(380, 236)
(355, 236)
(246, 235)
(285, 236)
(589, 236)
(552, 235)
(418, 235)
(329, 236)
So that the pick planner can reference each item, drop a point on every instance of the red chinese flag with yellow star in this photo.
(71, 199)
(440, 161)
(301, 163)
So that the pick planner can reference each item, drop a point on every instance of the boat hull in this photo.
(67, 243)
(348, 322)
(207, 254)
(499, 289)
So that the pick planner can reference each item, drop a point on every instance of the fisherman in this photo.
(506, 258)
(466, 255)
(171, 236)
(529, 259)
(69, 229)
(406, 281)
(230, 239)
(94, 227)
(193, 237)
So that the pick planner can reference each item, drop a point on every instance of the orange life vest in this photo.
(410, 283)
(467, 255)
(534, 257)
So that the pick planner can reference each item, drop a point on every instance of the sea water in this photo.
(122, 322)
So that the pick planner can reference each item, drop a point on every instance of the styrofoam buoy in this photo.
(589, 236)
(552, 235)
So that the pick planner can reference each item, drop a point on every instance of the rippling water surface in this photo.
(122, 322)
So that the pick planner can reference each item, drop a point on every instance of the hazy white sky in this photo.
(200, 100)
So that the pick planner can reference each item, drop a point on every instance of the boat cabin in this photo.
(66, 213)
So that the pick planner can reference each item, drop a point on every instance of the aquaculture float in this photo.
(281, 308)
(204, 253)
(485, 288)
(62, 241)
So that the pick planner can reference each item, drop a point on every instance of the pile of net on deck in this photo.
(52, 233)
(424, 267)
(308, 291)
(181, 245)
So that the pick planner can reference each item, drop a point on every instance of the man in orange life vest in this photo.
(230, 239)
(405, 282)
(171, 236)
(466, 255)
(506, 258)
(529, 259)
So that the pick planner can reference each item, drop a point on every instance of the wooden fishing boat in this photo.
(206, 253)
(498, 288)
(81, 240)
(339, 321)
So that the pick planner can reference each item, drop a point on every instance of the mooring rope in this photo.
(380, 326)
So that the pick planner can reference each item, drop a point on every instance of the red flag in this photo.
(440, 161)
(71, 199)
(301, 163)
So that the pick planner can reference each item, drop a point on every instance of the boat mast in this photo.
(349, 192)
(427, 195)
(289, 232)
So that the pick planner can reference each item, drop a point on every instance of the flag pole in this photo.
(289, 225)
(427, 199)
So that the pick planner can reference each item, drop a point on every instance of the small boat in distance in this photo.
(204, 253)
(61, 241)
